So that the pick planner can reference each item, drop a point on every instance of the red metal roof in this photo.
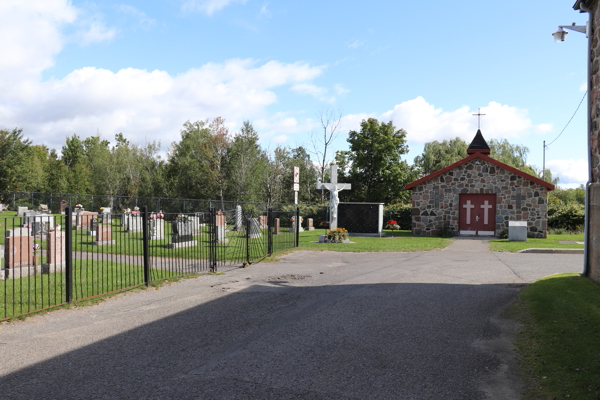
(486, 158)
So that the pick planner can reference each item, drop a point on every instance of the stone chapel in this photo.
(478, 195)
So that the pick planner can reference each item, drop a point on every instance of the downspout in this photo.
(586, 226)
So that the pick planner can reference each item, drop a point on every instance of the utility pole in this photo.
(544, 165)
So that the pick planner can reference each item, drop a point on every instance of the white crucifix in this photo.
(486, 206)
(468, 206)
(334, 187)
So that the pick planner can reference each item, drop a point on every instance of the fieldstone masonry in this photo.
(517, 199)
(593, 245)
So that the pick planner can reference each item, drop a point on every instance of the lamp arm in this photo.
(577, 28)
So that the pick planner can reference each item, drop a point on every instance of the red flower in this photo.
(392, 222)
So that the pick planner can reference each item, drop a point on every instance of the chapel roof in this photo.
(478, 144)
(486, 158)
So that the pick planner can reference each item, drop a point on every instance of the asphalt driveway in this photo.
(317, 325)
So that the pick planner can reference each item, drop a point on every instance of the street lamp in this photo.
(561, 35)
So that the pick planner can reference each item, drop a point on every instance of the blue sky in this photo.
(145, 67)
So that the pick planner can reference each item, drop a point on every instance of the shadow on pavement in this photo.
(397, 341)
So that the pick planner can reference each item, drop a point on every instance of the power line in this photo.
(561, 132)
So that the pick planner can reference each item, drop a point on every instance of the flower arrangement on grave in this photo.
(338, 235)
(56, 228)
(101, 208)
(182, 218)
(392, 224)
(127, 211)
(36, 248)
(78, 206)
(219, 212)
(136, 211)
(158, 215)
(294, 219)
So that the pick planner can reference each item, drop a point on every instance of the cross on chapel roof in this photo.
(478, 145)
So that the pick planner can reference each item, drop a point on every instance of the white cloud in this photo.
(144, 20)
(356, 44)
(96, 32)
(313, 90)
(147, 104)
(208, 7)
(30, 32)
(340, 89)
(544, 128)
(583, 87)
(264, 11)
(280, 139)
(570, 171)
(424, 122)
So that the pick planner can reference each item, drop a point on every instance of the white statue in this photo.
(335, 187)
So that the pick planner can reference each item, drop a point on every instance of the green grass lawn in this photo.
(90, 278)
(394, 241)
(559, 347)
(553, 242)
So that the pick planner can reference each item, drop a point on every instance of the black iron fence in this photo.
(50, 260)
(94, 202)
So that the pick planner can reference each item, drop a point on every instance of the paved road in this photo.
(317, 325)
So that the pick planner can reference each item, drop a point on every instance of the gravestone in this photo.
(106, 215)
(92, 227)
(21, 211)
(255, 231)
(221, 221)
(103, 236)
(157, 229)
(2, 208)
(18, 252)
(264, 222)
(277, 226)
(40, 223)
(135, 224)
(63, 206)
(183, 234)
(300, 228)
(83, 219)
(361, 218)
(310, 224)
(56, 251)
(239, 218)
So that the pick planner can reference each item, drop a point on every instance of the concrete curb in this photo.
(553, 251)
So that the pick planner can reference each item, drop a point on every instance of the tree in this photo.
(331, 122)
(246, 166)
(511, 154)
(274, 176)
(377, 172)
(13, 149)
(437, 155)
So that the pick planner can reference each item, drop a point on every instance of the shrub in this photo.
(568, 217)
(503, 234)
(401, 213)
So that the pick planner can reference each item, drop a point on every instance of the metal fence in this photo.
(52, 260)
(93, 202)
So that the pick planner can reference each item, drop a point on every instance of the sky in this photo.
(144, 68)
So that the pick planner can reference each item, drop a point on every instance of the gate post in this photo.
(69, 253)
(297, 226)
(213, 239)
(147, 276)
(270, 231)
(248, 220)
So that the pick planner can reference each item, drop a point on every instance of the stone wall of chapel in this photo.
(478, 176)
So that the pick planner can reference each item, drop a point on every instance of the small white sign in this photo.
(296, 175)
(296, 187)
